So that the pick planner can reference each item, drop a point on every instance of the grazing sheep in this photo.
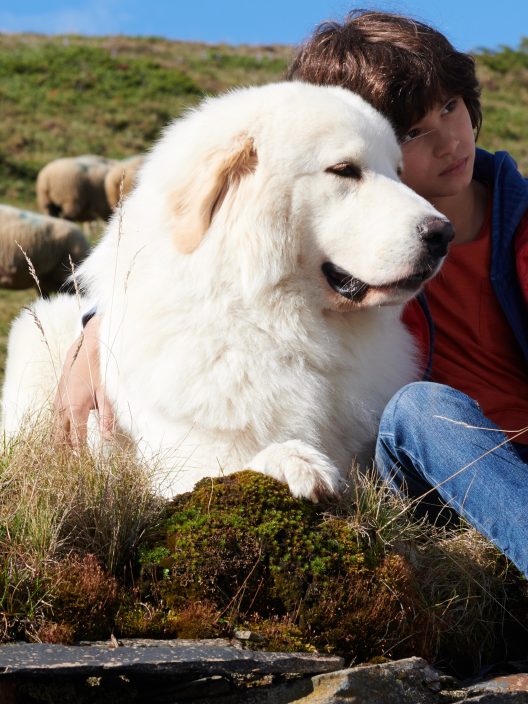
(124, 172)
(48, 242)
(73, 188)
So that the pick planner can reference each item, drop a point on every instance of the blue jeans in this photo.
(435, 443)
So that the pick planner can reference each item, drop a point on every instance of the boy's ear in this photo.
(204, 189)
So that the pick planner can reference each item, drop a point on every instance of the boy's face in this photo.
(439, 151)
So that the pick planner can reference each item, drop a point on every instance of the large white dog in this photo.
(250, 291)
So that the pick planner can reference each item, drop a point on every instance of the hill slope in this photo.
(69, 95)
(72, 95)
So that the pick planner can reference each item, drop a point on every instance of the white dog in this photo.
(243, 291)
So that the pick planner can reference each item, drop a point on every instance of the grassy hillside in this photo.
(70, 95)
(111, 96)
(504, 79)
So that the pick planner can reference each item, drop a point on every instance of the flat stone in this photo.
(498, 698)
(408, 681)
(504, 683)
(191, 659)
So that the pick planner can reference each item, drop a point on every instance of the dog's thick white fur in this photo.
(225, 340)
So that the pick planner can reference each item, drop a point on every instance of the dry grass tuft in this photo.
(55, 506)
(460, 588)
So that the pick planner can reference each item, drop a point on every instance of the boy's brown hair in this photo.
(399, 65)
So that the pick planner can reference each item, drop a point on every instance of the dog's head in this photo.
(298, 183)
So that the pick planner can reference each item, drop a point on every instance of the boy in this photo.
(434, 439)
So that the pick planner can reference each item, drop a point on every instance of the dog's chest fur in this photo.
(242, 379)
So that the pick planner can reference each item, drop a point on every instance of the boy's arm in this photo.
(80, 389)
(521, 255)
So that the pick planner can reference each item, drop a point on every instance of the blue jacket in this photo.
(510, 202)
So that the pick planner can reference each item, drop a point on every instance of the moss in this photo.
(260, 556)
(244, 542)
(194, 620)
(277, 634)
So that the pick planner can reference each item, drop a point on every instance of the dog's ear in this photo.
(203, 192)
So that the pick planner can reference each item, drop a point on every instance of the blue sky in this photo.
(468, 24)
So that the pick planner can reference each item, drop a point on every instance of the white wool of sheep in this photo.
(74, 188)
(49, 244)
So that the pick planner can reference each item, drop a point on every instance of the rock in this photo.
(502, 698)
(217, 672)
(409, 681)
(249, 636)
(500, 685)
(144, 671)
(193, 659)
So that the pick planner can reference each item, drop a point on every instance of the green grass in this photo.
(109, 95)
(10, 304)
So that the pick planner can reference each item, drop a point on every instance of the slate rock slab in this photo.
(191, 659)
(410, 681)
(147, 672)
(220, 672)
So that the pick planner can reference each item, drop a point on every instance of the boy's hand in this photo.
(80, 390)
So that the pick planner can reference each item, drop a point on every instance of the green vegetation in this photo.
(65, 96)
(340, 582)
(504, 78)
(87, 551)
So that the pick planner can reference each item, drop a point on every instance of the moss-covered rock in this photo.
(278, 564)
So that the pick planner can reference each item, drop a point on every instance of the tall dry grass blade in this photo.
(32, 269)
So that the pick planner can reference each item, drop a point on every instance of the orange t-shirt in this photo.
(475, 349)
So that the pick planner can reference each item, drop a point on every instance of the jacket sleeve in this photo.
(521, 255)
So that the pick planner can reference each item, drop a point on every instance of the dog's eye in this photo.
(346, 170)
(399, 170)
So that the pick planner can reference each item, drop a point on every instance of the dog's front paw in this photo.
(307, 472)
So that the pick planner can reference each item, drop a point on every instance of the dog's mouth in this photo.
(347, 285)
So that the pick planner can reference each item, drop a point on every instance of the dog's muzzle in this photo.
(435, 233)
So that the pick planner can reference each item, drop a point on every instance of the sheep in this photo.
(73, 188)
(48, 242)
(120, 179)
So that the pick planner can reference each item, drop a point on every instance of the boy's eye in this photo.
(450, 105)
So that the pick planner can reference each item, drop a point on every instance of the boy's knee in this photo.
(416, 403)
(408, 400)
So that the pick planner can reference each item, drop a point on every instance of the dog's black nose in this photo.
(436, 234)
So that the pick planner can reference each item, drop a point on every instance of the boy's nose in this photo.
(436, 233)
(446, 142)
